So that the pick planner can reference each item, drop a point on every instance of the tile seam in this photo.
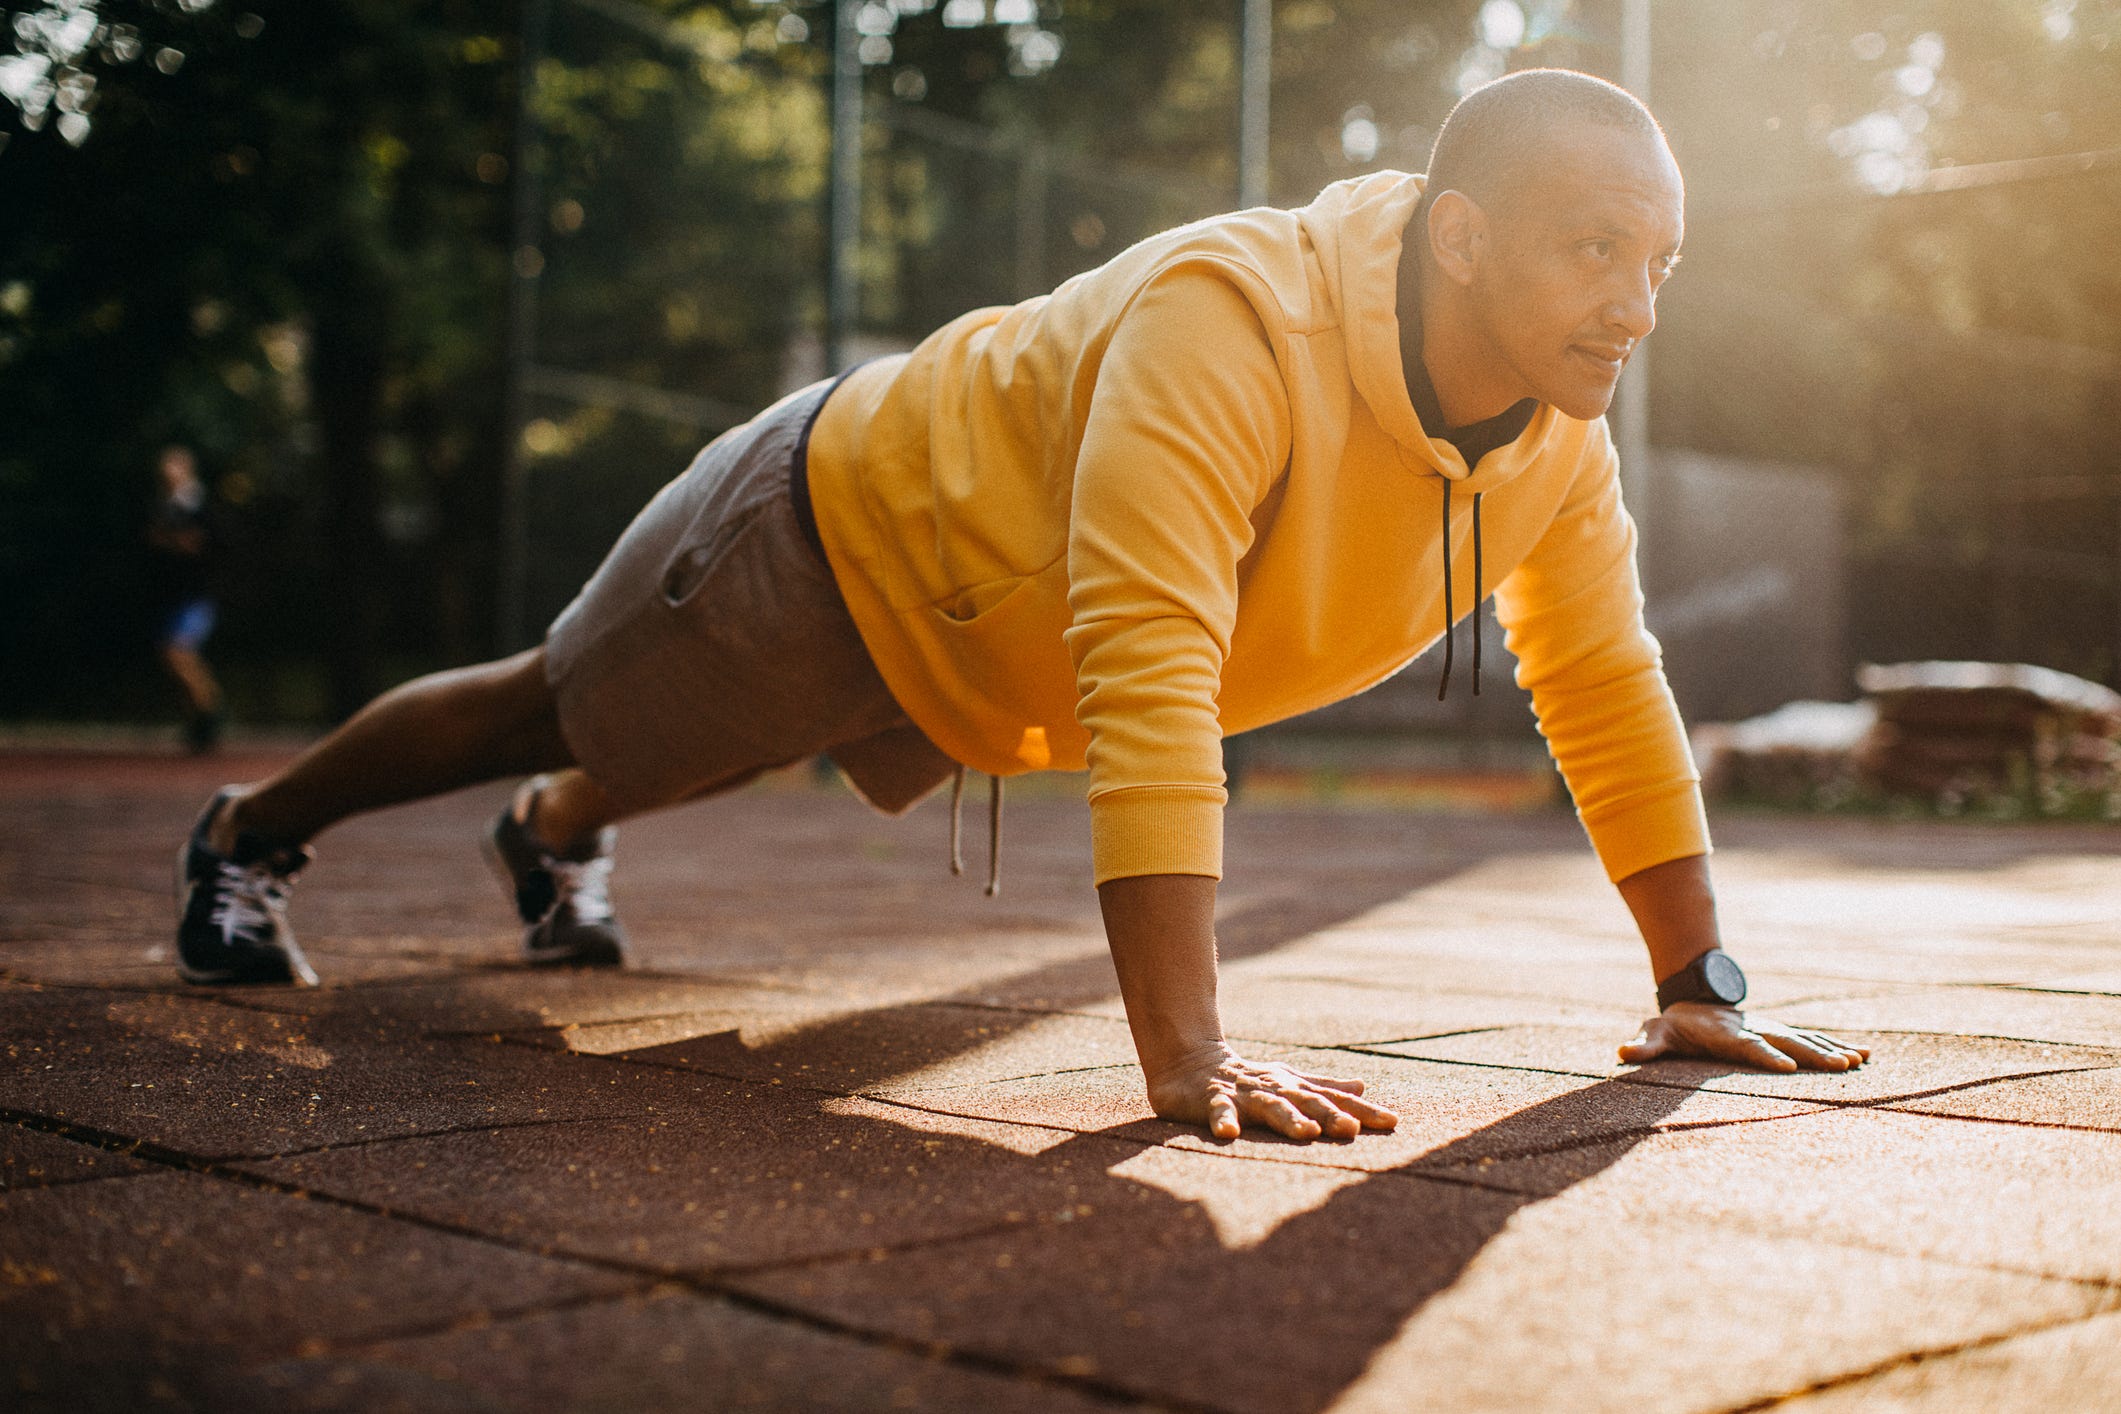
(1916, 1357)
(702, 1282)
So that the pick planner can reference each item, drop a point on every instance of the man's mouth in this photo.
(1610, 358)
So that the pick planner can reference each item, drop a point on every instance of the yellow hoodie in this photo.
(1187, 494)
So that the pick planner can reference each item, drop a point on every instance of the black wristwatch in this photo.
(1713, 978)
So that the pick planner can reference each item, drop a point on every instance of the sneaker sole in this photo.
(603, 955)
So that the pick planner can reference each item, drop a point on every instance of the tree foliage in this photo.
(281, 233)
(1889, 275)
(280, 230)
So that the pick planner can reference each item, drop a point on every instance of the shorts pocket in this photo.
(694, 562)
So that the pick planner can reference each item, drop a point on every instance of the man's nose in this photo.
(1634, 312)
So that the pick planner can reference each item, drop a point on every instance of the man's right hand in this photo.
(1162, 931)
(1218, 1088)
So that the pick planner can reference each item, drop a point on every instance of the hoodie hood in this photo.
(1358, 228)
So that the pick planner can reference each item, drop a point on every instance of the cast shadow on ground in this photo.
(1110, 1282)
(1141, 1295)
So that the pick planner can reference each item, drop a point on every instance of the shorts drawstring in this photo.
(994, 829)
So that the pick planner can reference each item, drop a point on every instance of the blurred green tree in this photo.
(279, 230)
(1895, 268)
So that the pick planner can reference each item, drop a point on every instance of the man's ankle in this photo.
(238, 817)
(227, 823)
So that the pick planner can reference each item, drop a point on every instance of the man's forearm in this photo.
(1675, 908)
(1162, 931)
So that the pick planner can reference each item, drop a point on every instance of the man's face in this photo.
(1567, 279)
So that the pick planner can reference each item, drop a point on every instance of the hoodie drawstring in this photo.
(1443, 692)
(994, 836)
(957, 822)
(1478, 592)
(1450, 636)
(994, 829)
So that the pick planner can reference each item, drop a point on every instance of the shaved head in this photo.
(1506, 131)
(1552, 214)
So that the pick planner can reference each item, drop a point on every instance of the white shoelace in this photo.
(251, 898)
(585, 884)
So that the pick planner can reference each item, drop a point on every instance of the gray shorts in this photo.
(712, 643)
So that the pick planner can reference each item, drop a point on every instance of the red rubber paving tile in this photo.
(845, 1048)
(2106, 980)
(1426, 949)
(2045, 1201)
(1326, 1011)
(88, 962)
(115, 1285)
(207, 1079)
(2073, 1365)
(1970, 916)
(2088, 1099)
(1449, 1115)
(31, 1159)
(1626, 1239)
(1137, 1287)
(750, 1174)
(524, 1000)
(1976, 1011)
(1901, 1066)
(1391, 1293)
(1569, 1309)
(1352, 995)
(667, 1349)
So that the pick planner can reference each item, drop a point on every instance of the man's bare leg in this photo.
(201, 692)
(431, 735)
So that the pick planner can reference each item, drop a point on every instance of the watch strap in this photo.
(1692, 983)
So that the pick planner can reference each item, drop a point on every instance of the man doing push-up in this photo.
(1249, 467)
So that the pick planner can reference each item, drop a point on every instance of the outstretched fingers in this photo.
(1277, 1112)
(1230, 1094)
(1723, 1033)
(1365, 1114)
(1346, 1096)
(1815, 1049)
(1752, 1048)
(1334, 1113)
(1330, 1082)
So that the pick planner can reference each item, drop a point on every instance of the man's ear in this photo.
(1458, 231)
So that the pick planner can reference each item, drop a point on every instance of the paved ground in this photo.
(853, 1136)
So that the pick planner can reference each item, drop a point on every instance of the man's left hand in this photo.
(1702, 1031)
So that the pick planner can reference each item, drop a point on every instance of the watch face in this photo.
(1723, 978)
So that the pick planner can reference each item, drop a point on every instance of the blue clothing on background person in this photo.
(188, 625)
(180, 538)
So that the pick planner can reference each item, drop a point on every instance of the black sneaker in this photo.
(565, 904)
(232, 909)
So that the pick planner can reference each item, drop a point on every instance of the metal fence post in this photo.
(843, 276)
(526, 263)
(1254, 85)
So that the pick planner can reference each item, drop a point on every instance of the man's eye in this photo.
(1599, 250)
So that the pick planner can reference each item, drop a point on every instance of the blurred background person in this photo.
(180, 538)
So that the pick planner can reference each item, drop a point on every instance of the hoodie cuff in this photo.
(1157, 830)
(1650, 829)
